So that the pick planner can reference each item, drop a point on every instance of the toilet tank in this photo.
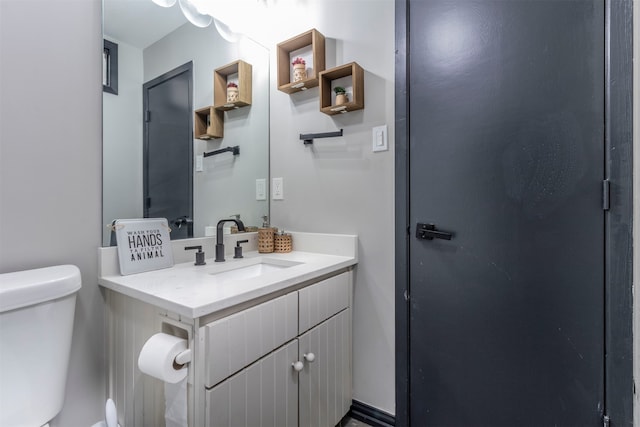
(36, 323)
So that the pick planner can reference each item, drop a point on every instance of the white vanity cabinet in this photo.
(283, 363)
(324, 385)
(245, 334)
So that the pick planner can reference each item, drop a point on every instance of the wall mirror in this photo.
(165, 73)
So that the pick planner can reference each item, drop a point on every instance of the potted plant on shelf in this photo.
(341, 95)
(299, 69)
(232, 92)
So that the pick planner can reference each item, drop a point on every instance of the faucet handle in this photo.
(238, 248)
(199, 255)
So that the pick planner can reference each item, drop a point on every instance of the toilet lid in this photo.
(23, 288)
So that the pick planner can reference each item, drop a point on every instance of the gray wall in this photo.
(339, 185)
(122, 133)
(50, 168)
(227, 184)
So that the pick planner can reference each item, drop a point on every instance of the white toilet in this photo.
(36, 324)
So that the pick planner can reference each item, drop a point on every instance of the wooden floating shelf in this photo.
(208, 123)
(220, 76)
(326, 77)
(311, 38)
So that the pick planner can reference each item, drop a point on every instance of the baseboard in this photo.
(370, 415)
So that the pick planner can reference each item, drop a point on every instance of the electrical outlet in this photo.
(199, 165)
(261, 189)
(278, 189)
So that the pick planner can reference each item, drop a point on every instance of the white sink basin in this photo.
(260, 268)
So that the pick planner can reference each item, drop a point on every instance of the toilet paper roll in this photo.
(157, 358)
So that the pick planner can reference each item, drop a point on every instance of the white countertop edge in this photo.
(118, 284)
(319, 255)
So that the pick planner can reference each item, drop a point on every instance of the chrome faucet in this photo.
(219, 237)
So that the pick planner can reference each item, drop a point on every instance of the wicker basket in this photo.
(265, 240)
(282, 243)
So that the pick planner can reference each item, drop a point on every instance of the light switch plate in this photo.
(278, 189)
(261, 189)
(380, 140)
(199, 160)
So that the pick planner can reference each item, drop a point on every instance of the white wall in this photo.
(50, 167)
(338, 185)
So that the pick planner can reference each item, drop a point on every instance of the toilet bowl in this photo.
(36, 324)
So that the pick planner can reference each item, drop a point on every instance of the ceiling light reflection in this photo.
(164, 3)
(193, 15)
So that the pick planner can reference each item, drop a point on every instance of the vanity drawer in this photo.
(263, 394)
(238, 340)
(322, 300)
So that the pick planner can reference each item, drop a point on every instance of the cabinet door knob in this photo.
(297, 366)
(310, 357)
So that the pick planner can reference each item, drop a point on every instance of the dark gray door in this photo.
(507, 153)
(168, 150)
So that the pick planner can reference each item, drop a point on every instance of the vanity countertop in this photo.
(195, 291)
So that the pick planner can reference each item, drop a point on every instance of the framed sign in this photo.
(143, 244)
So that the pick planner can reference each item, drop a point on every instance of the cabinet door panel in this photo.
(344, 366)
(242, 338)
(269, 382)
(309, 378)
(238, 404)
(254, 393)
(325, 383)
(217, 410)
(285, 390)
(265, 394)
(322, 300)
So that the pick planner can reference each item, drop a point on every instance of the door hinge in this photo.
(147, 116)
(606, 421)
(606, 195)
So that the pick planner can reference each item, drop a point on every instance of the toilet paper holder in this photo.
(182, 359)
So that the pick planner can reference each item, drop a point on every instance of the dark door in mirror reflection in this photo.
(168, 149)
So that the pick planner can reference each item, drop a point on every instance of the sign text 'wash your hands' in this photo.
(143, 244)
